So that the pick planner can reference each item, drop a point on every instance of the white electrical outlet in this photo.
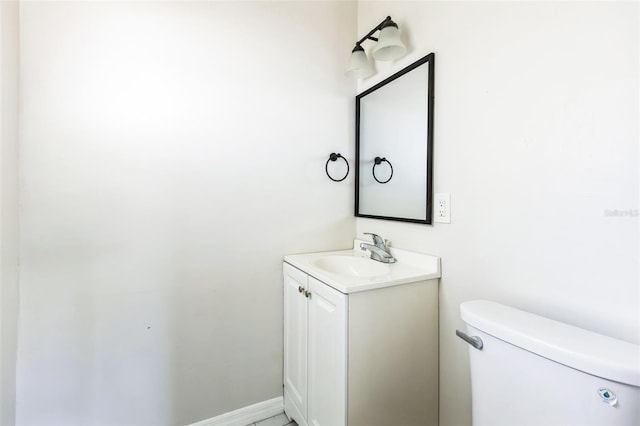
(442, 208)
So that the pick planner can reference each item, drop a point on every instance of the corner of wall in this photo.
(9, 206)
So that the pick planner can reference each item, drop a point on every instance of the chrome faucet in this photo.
(378, 249)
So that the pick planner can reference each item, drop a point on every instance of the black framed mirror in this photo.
(394, 146)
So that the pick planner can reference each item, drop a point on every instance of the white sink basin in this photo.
(351, 266)
(350, 271)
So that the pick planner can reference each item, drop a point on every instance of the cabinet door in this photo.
(327, 355)
(295, 343)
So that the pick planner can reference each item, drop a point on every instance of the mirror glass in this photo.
(394, 146)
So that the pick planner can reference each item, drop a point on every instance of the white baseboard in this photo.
(246, 415)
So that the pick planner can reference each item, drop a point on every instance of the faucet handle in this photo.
(377, 240)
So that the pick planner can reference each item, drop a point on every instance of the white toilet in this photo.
(531, 370)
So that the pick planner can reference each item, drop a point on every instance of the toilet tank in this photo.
(532, 370)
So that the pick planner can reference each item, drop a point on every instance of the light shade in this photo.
(359, 66)
(389, 46)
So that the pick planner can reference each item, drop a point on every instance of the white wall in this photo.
(9, 209)
(172, 154)
(536, 137)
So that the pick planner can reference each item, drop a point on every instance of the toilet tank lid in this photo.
(574, 347)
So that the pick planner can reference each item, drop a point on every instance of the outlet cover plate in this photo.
(442, 208)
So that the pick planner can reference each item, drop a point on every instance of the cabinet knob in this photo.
(307, 293)
(300, 289)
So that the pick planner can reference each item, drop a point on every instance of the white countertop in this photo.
(409, 267)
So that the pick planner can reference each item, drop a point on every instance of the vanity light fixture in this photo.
(388, 47)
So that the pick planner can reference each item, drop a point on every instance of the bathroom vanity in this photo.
(361, 339)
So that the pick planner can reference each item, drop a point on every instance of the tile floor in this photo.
(279, 420)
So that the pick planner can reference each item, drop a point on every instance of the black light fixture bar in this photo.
(388, 47)
(387, 21)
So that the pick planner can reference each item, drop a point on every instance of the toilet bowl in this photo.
(531, 370)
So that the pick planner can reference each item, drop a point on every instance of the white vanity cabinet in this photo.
(359, 358)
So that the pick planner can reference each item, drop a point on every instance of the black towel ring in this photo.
(377, 161)
(333, 157)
